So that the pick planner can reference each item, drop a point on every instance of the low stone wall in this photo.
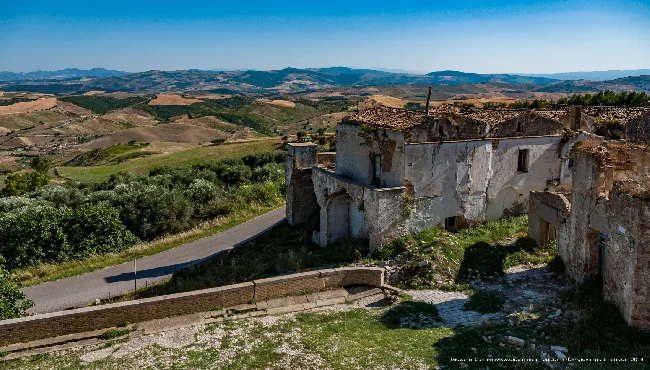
(106, 316)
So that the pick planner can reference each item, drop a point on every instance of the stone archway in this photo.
(338, 217)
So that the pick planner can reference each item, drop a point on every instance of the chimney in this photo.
(428, 100)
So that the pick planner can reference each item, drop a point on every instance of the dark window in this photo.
(522, 161)
(520, 127)
(441, 130)
(570, 163)
(375, 163)
(450, 223)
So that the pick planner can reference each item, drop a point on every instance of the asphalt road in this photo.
(79, 291)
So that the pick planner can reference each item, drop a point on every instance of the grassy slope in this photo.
(143, 165)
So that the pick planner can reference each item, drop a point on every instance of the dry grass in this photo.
(279, 103)
(30, 106)
(173, 99)
(169, 132)
(385, 100)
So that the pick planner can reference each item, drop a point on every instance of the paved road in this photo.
(79, 291)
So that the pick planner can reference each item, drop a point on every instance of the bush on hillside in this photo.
(51, 235)
(21, 183)
(13, 302)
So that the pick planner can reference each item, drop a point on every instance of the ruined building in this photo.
(602, 225)
(397, 172)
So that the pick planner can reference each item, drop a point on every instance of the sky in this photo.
(482, 36)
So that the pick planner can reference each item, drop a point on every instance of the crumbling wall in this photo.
(508, 188)
(547, 211)
(447, 179)
(351, 210)
(301, 200)
(448, 128)
(608, 232)
(527, 124)
(638, 130)
(355, 146)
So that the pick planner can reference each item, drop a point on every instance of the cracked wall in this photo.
(355, 146)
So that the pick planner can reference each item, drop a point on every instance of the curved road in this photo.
(81, 290)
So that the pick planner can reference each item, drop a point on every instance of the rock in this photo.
(382, 264)
(560, 349)
(473, 349)
(560, 356)
(515, 341)
(545, 356)
(532, 346)
(428, 250)
(423, 263)
(558, 312)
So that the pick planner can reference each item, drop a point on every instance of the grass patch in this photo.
(49, 272)
(97, 174)
(114, 333)
(485, 302)
(455, 258)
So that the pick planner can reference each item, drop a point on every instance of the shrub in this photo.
(218, 141)
(40, 164)
(21, 183)
(148, 211)
(13, 302)
(52, 235)
(485, 302)
(114, 333)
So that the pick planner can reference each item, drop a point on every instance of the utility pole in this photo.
(428, 100)
(135, 276)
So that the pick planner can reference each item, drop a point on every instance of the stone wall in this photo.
(448, 128)
(301, 201)
(607, 234)
(526, 125)
(638, 129)
(547, 212)
(106, 316)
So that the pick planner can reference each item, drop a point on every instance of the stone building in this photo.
(398, 172)
(602, 224)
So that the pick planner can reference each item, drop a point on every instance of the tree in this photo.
(40, 164)
(13, 302)
(21, 183)
(301, 135)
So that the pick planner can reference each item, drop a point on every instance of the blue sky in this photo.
(476, 36)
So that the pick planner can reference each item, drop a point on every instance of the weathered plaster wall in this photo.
(355, 147)
(507, 188)
(476, 180)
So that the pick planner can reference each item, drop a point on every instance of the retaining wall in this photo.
(106, 316)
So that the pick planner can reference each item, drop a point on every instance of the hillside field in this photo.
(97, 174)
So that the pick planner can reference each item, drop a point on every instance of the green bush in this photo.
(13, 302)
(21, 183)
(51, 235)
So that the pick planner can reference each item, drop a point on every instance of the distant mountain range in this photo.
(292, 80)
(62, 74)
(593, 76)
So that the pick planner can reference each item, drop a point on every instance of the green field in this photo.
(97, 174)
